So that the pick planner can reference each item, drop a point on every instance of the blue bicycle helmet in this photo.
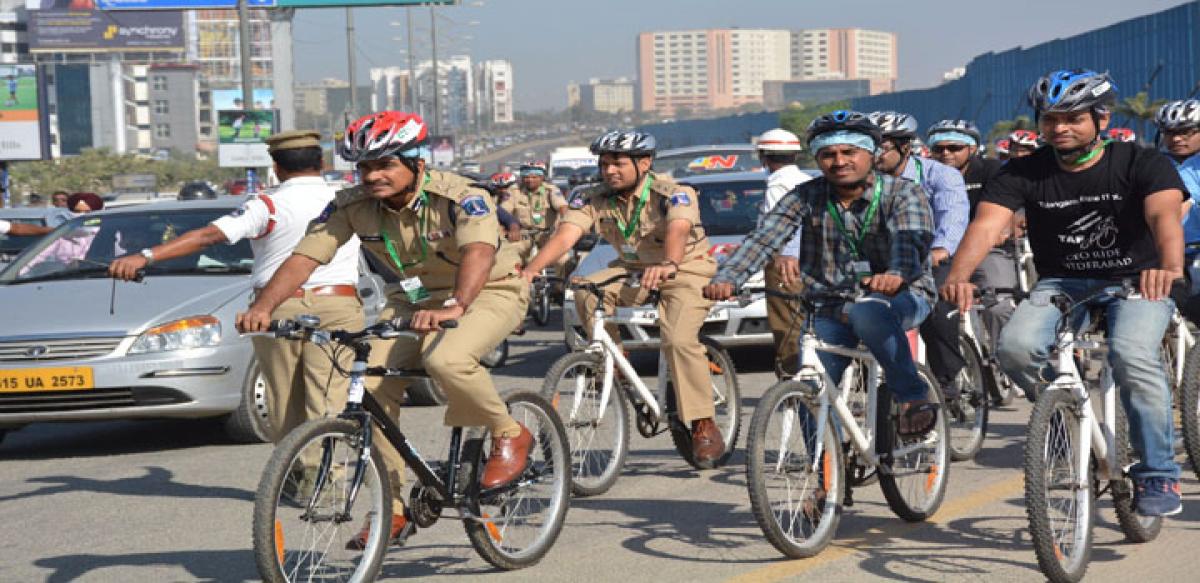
(843, 120)
(1073, 90)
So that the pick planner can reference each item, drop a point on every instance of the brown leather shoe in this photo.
(508, 459)
(707, 445)
(399, 534)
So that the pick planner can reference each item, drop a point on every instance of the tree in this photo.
(93, 169)
(1002, 128)
(797, 116)
(1139, 109)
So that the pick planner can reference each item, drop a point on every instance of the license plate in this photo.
(36, 380)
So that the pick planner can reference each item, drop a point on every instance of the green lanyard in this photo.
(866, 224)
(538, 203)
(627, 230)
(920, 172)
(1095, 152)
(421, 231)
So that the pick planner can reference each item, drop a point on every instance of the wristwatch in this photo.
(149, 255)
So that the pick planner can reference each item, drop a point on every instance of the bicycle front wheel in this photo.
(541, 305)
(795, 475)
(914, 481)
(967, 405)
(1058, 500)
(517, 524)
(301, 521)
(727, 407)
(598, 435)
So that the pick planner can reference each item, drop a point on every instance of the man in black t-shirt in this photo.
(1098, 213)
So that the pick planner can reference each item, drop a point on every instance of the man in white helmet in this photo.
(777, 149)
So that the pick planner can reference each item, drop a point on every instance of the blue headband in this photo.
(532, 172)
(952, 137)
(842, 137)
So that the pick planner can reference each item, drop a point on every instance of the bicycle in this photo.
(325, 477)
(594, 406)
(805, 434)
(968, 400)
(539, 298)
(1070, 450)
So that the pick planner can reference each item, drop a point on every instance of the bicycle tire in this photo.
(1055, 418)
(274, 507)
(968, 417)
(541, 306)
(549, 466)
(1189, 408)
(593, 471)
(935, 466)
(728, 409)
(777, 522)
(1137, 528)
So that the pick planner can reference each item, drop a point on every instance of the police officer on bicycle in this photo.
(654, 224)
(441, 238)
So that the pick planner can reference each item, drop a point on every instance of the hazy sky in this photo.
(552, 42)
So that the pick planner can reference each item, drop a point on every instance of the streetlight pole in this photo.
(244, 40)
(437, 90)
(412, 70)
(352, 107)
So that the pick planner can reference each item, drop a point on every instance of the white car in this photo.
(729, 204)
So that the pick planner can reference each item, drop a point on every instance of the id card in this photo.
(537, 217)
(629, 252)
(414, 290)
(861, 268)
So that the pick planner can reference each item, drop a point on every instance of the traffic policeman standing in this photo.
(301, 384)
(440, 236)
(655, 226)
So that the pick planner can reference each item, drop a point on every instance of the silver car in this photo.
(729, 204)
(79, 346)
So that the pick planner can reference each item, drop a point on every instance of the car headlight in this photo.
(182, 334)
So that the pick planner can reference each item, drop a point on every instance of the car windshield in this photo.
(706, 162)
(84, 246)
(730, 208)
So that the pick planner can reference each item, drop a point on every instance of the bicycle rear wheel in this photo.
(795, 476)
(1189, 408)
(914, 481)
(599, 439)
(727, 404)
(293, 542)
(519, 523)
(967, 405)
(540, 304)
(1058, 501)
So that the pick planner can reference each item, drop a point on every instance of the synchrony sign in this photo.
(178, 4)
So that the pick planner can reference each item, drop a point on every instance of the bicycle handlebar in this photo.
(304, 327)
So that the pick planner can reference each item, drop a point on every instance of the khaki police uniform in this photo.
(453, 215)
(536, 210)
(301, 381)
(683, 307)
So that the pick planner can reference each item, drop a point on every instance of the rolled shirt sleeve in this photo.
(247, 222)
(584, 216)
(911, 229)
(476, 227)
(777, 227)
(683, 205)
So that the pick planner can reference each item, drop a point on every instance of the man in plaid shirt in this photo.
(860, 227)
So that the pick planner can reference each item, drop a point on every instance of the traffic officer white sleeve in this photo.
(5, 227)
(247, 222)
(776, 190)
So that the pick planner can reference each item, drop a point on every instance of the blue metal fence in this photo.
(994, 86)
(734, 129)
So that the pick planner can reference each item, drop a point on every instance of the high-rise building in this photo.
(846, 53)
(389, 89)
(724, 68)
(607, 95)
(174, 97)
(494, 92)
(456, 93)
(14, 40)
(215, 48)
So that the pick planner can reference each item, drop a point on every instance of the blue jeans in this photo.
(880, 323)
(1135, 331)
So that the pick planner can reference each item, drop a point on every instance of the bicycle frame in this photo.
(1097, 433)
(1184, 341)
(604, 345)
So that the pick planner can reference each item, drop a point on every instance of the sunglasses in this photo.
(956, 148)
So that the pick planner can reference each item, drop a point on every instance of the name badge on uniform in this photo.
(537, 217)
(629, 252)
(414, 290)
(861, 269)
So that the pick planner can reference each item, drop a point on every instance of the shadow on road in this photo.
(225, 566)
(157, 482)
(699, 527)
(42, 441)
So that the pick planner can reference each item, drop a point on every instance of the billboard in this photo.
(90, 31)
(339, 3)
(442, 150)
(20, 130)
(241, 138)
(177, 4)
(232, 99)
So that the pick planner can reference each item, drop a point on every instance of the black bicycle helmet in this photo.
(631, 142)
(1178, 115)
(1073, 90)
(960, 126)
(196, 191)
(843, 120)
(894, 124)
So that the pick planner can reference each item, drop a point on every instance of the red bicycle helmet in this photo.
(503, 179)
(1120, 135)
(1026, 138)
(382, 135)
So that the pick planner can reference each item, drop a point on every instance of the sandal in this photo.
(917, 410)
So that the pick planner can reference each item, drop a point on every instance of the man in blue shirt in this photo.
(947, 193)
(1179, 125)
